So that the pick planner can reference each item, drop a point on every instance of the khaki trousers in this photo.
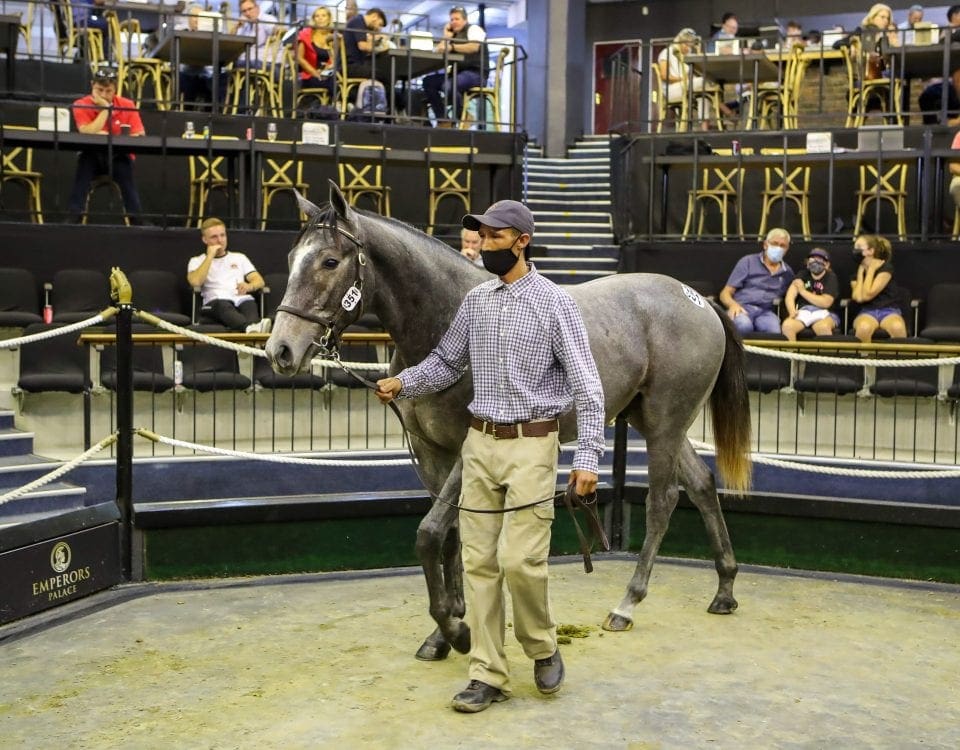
(511, 546)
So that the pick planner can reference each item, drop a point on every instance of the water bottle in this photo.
(177, 372)
(188, 131)
(206, 131)
(48, 313)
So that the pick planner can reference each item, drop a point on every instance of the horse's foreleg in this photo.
(438, 548)
(661, 501)
(702, 490)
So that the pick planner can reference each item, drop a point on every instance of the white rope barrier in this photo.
(270, 457)
(59, 471)
(762, 458)
(243, 349)
(61, 331)
(850, 361)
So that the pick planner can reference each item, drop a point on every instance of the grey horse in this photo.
(661, 349)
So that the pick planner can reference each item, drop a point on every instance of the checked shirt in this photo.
(528, 351)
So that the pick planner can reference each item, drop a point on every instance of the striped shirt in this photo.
(527, 347)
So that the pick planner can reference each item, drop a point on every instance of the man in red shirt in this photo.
(99, 113)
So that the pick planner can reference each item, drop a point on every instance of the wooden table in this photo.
(755, 68)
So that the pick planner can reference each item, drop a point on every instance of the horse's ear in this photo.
(338, 202)
(306, 207)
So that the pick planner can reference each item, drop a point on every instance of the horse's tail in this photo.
(730, 409)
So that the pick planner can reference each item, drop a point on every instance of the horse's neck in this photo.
(419, 287)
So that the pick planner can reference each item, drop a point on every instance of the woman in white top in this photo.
(673, 72)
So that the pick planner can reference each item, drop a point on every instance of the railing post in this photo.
(121, 293)
(619, 482)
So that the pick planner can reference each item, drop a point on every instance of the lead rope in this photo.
(570, 497)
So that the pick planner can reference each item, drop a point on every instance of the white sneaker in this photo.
(265, 325)
(252, 328)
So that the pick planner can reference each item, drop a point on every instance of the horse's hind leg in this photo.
(702, 490)
(661, 501)
(438, 548)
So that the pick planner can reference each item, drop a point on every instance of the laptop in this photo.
(209, 20)
(925, 33)
(727, 46)
(421, 40)
(880, 138)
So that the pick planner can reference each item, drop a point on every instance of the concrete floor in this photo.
(326, 661)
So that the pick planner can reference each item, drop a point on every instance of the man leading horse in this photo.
(528, 352)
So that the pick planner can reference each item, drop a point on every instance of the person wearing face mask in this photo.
(874, 288)
(530, 361)
(756, 283)
(818, 288)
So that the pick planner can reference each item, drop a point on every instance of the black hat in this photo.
(501, 215)
(105, 74)
(819, 252)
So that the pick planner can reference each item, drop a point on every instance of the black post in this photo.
(619, 482)
(125, 435)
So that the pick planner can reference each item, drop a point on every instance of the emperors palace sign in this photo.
(59, 570)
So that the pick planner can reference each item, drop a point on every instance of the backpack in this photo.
(372, 98)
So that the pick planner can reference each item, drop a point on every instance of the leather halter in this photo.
(354, 294)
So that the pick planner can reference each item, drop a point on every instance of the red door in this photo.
(616, 85)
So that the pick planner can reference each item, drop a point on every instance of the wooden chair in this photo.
(787, 183)
(71, 39)
(18, 169)
(449, 182)
(134, 70)
(206, 176)
(708, 96)
(290, 75)
(781, 98)
(885, 184)
(861, 88)
(366, 179)
(345, 84)
(261, 83)
(722, 185)
(104, 182)
(26, 27)
(486, 98)
(279, 180)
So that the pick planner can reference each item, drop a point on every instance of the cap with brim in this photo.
(501, 215)
(915, 8)
(819, 252)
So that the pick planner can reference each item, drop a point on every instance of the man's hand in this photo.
(734, 310)
(244, 287)
(585, 482)
(99, 100)
(213, 250)
(388, 389)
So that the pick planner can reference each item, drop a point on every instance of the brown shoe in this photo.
(477, 697)
(548, 673)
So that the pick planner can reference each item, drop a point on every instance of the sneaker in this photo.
(266, 325)
(548, 673)
(252, 328)
(478, 696)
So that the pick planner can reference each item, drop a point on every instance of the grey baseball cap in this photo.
(501, 215)
(105, 73)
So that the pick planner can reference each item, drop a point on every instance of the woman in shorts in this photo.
(875, 290)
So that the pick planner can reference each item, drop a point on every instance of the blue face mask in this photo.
(775, 253)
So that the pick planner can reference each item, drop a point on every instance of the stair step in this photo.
(15, 443)
(578, 164)
(568, 247)
(51, 498)
(579, 225)
(572, 215)
(561, 251)
(567, 238)
(532, 202)
(583, 262)
(6, 420)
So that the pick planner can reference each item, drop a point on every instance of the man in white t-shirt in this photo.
(226, 282)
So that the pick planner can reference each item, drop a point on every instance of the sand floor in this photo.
(320, 661)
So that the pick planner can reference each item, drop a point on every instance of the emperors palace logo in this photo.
(64, 583)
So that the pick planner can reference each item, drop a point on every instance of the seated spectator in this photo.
(814, 40)
(931, 101)
(461, 38)
(470, 245)
(954, 166)
(729, 26)
(226, 280)
(876, 27)
(673, 74)
(314, 53)
(258, 24)
(196, 81)
(874, 288)
(793, 36)
(361, 40)
(100, 112)
(818, 288)
(914, 16)
(756, 283)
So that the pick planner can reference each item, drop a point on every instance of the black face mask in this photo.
(816, 266)
(499, 262)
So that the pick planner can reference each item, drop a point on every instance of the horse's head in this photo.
(327, 269)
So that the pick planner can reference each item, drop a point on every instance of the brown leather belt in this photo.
(517, 429)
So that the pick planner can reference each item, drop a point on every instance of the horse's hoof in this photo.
(461, 641)
(617, 623)
(722, 605)
(433, 650)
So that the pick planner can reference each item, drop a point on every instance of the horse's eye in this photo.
(331, 263)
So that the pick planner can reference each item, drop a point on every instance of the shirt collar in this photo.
(520, 284)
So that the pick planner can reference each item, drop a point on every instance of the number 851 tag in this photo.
(350, 298)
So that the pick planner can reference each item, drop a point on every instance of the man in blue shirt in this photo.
(756, 283)
(360, 43)
(530, 361)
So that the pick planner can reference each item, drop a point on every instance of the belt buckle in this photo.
(494, 430)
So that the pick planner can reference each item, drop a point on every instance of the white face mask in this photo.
(775, 252)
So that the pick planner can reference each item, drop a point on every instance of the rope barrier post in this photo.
(121, 291)
(619, 481)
